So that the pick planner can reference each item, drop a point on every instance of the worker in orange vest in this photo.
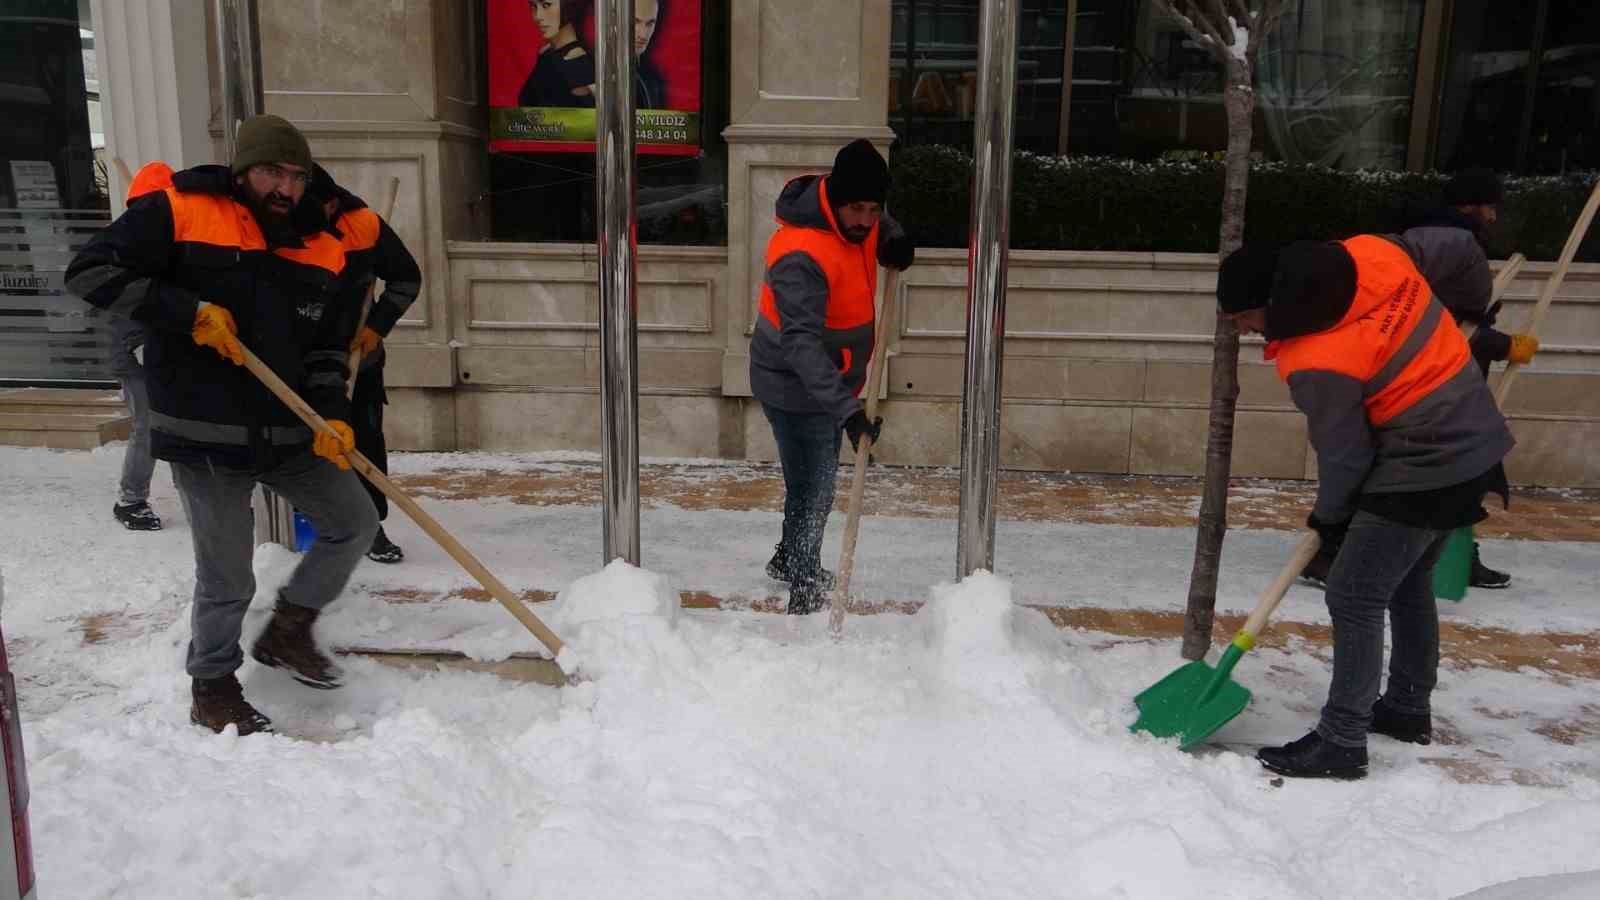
(813, 340)
(1408, 441)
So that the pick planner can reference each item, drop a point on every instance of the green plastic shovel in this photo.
(1195, 700)
(1453, 571)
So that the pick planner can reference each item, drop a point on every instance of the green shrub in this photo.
(1099, 203)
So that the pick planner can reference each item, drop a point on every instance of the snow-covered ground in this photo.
(972, 749)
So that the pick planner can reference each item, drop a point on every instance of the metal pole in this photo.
(239, 55)
(986, 283)
(619, 325)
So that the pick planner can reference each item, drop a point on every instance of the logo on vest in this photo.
(1400, 305)
(311, 309)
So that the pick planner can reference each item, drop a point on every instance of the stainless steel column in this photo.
(986, 283)
(239, 52)
(619, 325)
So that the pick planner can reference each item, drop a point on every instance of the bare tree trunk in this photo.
(1239, 101)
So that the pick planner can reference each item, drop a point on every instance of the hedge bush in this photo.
(1098, 203)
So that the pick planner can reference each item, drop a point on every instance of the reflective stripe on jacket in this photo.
(1392, 403)
(814, 332)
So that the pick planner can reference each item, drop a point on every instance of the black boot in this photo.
(778, 570)
(286, 643)
(1413, 728)
(219, 702)
(384, 550)
(1313, 757)
(137, 516)
(1485, 577)
(807, 597)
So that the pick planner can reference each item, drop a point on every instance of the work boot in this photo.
(219, 702)
(778, 570)
(1412, 728)
(384, 550)
(286, 643)
(1313, 757)
(1485, 577)
(137, 516)
(806, 598)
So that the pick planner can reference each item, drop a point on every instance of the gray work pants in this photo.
(137, 463)
(217, 502)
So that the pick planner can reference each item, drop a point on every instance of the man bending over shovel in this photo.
(224, 255)
(1408, 441)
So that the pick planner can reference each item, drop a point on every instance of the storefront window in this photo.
(1334, 84)
(933, 72)
(1518, 97)
(540, 195)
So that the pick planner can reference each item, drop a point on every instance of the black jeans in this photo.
(1383, 566)
(808, 448)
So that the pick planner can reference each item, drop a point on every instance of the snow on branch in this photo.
(1232, 29)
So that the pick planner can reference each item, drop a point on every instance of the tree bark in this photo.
(1239, 102)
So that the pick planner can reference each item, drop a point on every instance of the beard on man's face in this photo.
(273, 212)
(855, 234)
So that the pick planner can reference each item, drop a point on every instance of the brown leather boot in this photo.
(219, 702)
(286, 643)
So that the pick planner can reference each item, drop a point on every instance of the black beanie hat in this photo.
(1474, 187)
(264, 140)
(859, 173)
(1312, 288)
(1305, 286)
(1245, 280)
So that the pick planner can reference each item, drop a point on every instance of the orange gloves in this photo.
(1523, 347)
(333, 446)
(214, 328)
(366, 342)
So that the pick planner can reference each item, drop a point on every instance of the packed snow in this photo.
(969, 749)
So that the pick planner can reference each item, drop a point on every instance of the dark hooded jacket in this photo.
(372, 251)
(1448, 249)
(814, 329)
(1402, 423)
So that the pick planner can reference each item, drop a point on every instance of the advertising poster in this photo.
(542, 76)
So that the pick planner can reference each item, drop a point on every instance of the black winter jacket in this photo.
(194, 242)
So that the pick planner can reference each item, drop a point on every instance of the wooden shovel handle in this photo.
(1274, 593)
(858, 482)
(436, 531)
(1553, 284)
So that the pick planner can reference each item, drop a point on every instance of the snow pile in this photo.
(972, 750)
(620, 620)
(971, 630)
(1576, 886)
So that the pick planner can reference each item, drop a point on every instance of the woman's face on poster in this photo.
(546, 15)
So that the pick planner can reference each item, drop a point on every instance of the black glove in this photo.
(894, 245)
(857, 425)
(1332, 534)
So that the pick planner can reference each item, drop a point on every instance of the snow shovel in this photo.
(858, 483)
(436, 531)
(1195, 700)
